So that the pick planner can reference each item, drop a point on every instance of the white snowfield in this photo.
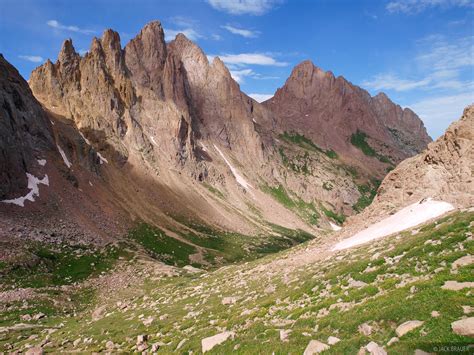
(240, 180)
(33, 183)
(335, 227)
(64, 156)
(407, 217)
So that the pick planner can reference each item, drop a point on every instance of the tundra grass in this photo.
(305, 210)
(56, 265)
(404, 275)
(358, 140)
(306, 143)
(161, 246)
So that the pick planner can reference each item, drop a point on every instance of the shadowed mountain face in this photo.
(25, 132)
(370, 131)
(162, 127)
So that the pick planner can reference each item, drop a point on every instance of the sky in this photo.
(419, 52)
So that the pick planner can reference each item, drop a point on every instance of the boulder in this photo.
(457, 286)
(464, 327)
(464, 261)
(408, 326)
(374, 349)
(315, 347)
(210, 342)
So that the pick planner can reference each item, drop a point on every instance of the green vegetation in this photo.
(299, 164)
(215, 191)
(404, 276)
(231, 247)
(306, 143)
(162, 247)
(306, 210)
(52, 265)
(358, 140)
(340, 218)
(367, 194)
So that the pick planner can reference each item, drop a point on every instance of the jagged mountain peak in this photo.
(68, 52)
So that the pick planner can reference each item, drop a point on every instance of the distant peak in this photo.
(152, 25)
(307, 66)
(67, 51)
(382, 95)
(111, 38)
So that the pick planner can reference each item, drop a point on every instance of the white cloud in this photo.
(240, 7)
(183, 21)
(56, 25)
(438, 112)
(261, 97)
(190, 33)
(392, 82)
(441, 64)
(32, 58)
(416, 6)
(251, 59)
(241, 31)
(239, 75)
(216, 37)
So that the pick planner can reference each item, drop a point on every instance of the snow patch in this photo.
(63, 155)
(41, 162)
(407, 217)
(85, 139)
(102, 159)
(33, 183)
(153, 140)
(240, 180)
(335, 227)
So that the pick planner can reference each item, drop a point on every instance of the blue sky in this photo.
(420, 52)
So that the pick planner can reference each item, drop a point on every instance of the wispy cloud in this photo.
(59, 26)
(261, 97)
(392, 82)
(441, 63)
(251, 59)
(190, 33)
(240, 7)
(32, 58)
(239, 75)
(241, 31)
(437, 112)
(411, 7)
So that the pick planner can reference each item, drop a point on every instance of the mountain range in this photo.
(158, 123)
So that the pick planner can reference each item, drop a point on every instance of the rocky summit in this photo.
(147, 204)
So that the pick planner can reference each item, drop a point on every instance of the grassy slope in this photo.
(401, 286)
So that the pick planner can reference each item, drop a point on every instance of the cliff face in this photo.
(150, 94)
(25, 132)
(443, 171)
(332, 111)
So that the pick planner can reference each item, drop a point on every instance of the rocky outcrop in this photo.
(329, 110)
(25, 132)
(444, 171)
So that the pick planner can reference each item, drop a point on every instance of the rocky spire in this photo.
(67, 53)
(145, 55)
